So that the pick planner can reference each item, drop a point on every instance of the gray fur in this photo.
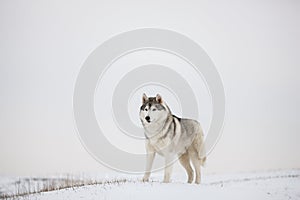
(171, 137)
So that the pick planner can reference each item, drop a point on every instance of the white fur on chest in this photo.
(163, 141)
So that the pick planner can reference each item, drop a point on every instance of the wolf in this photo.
(171, 137)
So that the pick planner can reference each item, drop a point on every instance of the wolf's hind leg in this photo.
(185, 162)
(197, 166)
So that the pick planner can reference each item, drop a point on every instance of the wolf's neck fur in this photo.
(159, 128)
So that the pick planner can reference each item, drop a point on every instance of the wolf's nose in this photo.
(147, 118)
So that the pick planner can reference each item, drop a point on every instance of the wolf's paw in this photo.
(145, 179)
(166, 181)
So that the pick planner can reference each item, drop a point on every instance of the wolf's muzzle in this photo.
(147, 118)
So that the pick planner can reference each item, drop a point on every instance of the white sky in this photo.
(255, 46)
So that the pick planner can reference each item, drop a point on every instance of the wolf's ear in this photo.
(145, 98)
(158, 98)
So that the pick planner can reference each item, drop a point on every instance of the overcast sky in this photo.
(255, 46)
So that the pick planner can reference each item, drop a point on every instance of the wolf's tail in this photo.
(202, 154)
(201, 148)
(203, 161)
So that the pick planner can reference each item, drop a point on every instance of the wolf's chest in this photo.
(162, 145)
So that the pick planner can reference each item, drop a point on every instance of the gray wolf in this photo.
(171, 137)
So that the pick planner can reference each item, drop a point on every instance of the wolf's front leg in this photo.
(168, 168)
(149, 162)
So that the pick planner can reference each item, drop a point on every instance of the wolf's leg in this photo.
(149, 162)
(185, 162)
(168, 168)
(197, 166)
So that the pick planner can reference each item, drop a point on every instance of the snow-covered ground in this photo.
(283, 184)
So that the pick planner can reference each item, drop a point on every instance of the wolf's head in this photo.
(153, 110)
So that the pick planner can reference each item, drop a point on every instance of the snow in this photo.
(284, 184)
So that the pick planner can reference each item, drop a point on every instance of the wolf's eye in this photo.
(146, 109)
(154, 109)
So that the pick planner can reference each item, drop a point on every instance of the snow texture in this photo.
(264, 185)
